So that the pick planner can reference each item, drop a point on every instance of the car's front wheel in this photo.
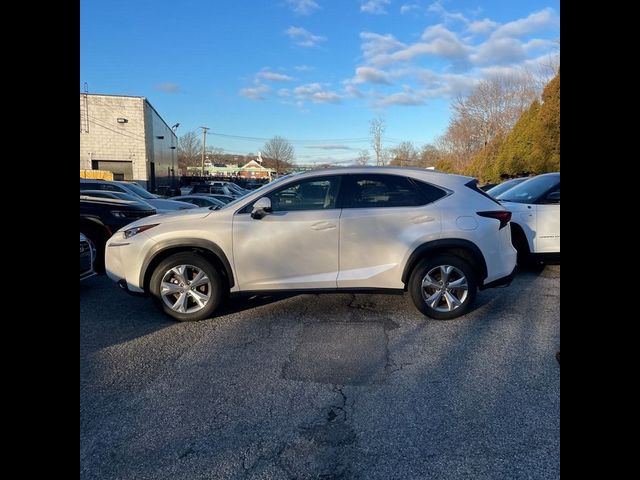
(187, 287)
(443, 287)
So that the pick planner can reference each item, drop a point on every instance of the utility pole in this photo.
(204, 145)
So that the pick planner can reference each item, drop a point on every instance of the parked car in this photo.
(201, 201)
(216, 189)
(160, 204)
(87, 258)
(504, 186)
(487, 186)
(253, 185)
(223, 198)
(231, 186)
(435, 235)
(535, 224)
(100, 217)
(116, 195)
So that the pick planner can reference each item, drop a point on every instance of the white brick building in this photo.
(127, 136)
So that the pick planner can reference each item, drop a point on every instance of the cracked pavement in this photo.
(335, 386)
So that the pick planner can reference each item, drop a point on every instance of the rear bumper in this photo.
(501, 282)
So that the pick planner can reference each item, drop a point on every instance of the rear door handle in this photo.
(323, 226)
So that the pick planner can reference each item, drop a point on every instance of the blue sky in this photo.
(313, 71)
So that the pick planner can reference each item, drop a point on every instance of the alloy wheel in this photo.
(185, 289)
(445, 288)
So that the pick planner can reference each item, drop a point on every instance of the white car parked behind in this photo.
(535, 221)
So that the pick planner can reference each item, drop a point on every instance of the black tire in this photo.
(193, 259)
(427, 265)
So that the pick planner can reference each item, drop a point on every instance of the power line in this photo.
(264, 139)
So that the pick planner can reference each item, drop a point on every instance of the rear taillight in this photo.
(503, 216)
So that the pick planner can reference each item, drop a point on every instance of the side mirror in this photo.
(261, 208)
(553, 197)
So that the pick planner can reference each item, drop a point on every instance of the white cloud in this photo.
(168, 87)
(409, 8)
(539, 44)
(273, 76)
(307, 89)
(371, 75)
(331, 147)
(402, 98)
(467, 49)
(315, 93)
(374, 7)
(325, 97)
(304, 38)
(284, 92)
(536, 21)
(375, 44)
(352, 91)
(482, 26)
(302, 68)
(303, 7)
(436, 7)
(499, 51)
(255, 93)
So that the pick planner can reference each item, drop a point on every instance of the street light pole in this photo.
(204, 145)
(173, 156)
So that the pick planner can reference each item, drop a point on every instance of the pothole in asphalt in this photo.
(340, 353)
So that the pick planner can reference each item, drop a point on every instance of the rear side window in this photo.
(380, 191)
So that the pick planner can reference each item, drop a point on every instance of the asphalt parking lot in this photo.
(335, 386)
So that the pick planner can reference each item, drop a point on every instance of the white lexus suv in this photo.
(435, 235)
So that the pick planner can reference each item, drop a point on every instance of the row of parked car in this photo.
(435, 235)
(107, 206)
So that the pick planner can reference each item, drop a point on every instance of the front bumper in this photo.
(123, 260)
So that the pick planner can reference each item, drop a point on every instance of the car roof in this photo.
(439, 178)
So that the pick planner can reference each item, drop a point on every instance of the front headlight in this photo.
(136, 230)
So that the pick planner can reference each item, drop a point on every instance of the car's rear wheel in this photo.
(187, 287)
(443, 287)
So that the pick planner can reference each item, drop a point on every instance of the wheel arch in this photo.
(519, 238)
(459, 247)
(206, 248)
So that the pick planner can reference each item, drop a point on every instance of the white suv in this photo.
(434, 235)
(535, 205)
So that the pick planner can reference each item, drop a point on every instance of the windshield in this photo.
(504, 186)
(138, 190)
(531, 190)
(258, 190)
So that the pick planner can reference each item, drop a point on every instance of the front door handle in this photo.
(323, 226)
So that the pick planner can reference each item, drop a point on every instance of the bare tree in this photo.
(489, 111)
(189, 150)
(216, 155)
(363, 158)
(404, 154)
(280, 150)
(376, 129)
(541, 74)
(429, 156)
